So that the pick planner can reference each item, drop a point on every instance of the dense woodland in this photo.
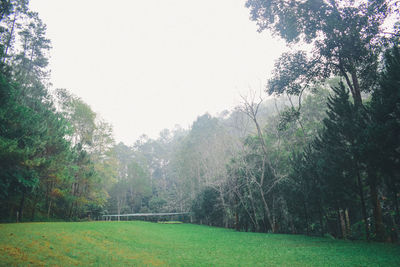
(317, 152)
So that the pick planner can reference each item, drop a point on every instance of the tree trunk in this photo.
(11, 211)
(348, 226)
(10, 38)
(251, 110)
(353, 84)
(237, 221)
(395, 200)
(377, 210)
(225, 213)
(292, 225)
(21, 206)
(363, 208)
(275, 224)
(321, 221)
(48, 210)
(70, 210)
(356, 89)
(118, 206)
(306, 217)
(75, 212)
(395, 233)
(342, 224)
(255, 222)
(244, 206)
(396, 218)
(267, 211)
(35, 201)
(376, 204)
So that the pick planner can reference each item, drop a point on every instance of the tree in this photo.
(33, 146)
(345, 37)
(20, 134)
(29, 63)
(268, 174)
(81, 117)
(10, 25)
(207, 207)
(382, 139)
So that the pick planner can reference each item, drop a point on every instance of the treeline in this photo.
(339, 177)
(319, 157)
(326, 165)
(53, 149)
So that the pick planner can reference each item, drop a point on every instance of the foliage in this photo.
(207, 207)
(346, 39)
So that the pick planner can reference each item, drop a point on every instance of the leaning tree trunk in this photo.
(254, 221)
(353, 83)
(267, 211)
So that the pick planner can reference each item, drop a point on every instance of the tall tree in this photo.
(344, 36)
(12, 14)
(382, 138)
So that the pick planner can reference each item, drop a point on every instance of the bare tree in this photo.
(251, 106)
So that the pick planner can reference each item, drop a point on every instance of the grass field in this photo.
(150, 244)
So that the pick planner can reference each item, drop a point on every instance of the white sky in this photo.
(149, 65)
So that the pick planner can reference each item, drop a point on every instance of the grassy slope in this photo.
(150, 244)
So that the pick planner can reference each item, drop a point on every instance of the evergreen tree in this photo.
(382, 136)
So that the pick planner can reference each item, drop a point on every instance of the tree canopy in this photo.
(346, 39)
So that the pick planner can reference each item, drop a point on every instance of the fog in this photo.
(149, 65)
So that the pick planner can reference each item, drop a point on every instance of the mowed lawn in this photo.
(138, 243)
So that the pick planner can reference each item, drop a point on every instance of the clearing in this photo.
(150, 244)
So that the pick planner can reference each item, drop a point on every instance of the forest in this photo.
(316, 151)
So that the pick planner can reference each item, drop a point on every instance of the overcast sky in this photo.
(149, 65)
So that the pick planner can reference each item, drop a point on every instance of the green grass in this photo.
(150, 244)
